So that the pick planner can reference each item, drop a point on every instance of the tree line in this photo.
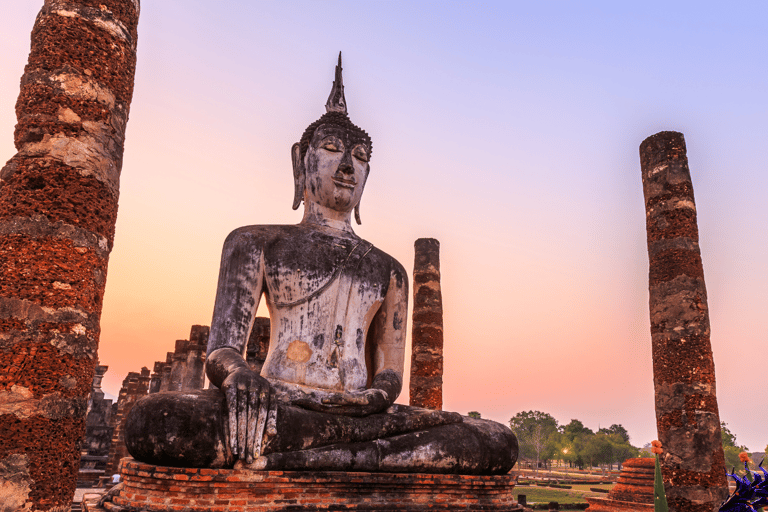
(543, 441)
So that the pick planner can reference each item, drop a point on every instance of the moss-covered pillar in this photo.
(58, 205)
(426, 384)
(687, 417)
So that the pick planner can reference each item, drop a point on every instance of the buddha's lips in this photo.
(344, 183)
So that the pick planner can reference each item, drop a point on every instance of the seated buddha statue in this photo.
(325, 396)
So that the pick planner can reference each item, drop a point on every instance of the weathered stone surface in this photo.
(192, 433)
(58, 205)
(160, 489)
(135, 385)
(334, 365)
(98, 434)
(426, 384)
(687, 416)
(184, 368)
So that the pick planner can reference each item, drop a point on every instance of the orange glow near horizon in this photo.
(507, 131)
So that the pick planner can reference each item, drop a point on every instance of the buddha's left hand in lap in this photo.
(349, 403)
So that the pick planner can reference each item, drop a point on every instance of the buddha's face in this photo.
(336, 166)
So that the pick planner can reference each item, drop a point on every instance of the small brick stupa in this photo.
(633, 491)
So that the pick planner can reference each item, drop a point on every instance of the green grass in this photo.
(536, 494)
(586, 487)
(544, 495)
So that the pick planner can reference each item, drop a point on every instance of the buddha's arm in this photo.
(237, 297)
(388, 336)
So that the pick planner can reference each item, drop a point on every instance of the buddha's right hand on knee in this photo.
(247, 396)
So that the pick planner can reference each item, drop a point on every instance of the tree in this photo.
(537, 435)
(474, 414)
(618, 430)
(728, 438)
(622, 450)
(575, 436)
(574, 429)
(598, 450)
(730, 449)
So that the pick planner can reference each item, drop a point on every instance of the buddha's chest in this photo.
(322, 304)
(324, 271)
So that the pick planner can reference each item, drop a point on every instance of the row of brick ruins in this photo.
(184, 370)
(102, 446)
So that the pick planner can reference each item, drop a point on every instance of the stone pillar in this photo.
(178, 365)
(426, 386)
(194, 378)
(135, 386)
(58, 205)
(98, 433)
(165, 380)
(156, 379)
(687, 417)
(258, 344)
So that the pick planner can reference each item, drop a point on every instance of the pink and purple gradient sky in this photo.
(507, 130)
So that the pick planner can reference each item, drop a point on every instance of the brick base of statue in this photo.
(160, 489)
(634, 490)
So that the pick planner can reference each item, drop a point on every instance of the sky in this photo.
(508, 130)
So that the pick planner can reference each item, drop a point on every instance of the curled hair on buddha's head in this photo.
(335, 118)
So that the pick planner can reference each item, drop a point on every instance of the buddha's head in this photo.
(330, 162)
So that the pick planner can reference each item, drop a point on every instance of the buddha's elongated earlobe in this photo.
(299, 176)
(357, 213)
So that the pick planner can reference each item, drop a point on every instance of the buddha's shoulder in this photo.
(279, 238)
(263, 234)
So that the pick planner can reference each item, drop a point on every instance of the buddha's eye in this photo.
(360, 153)
(332, 145)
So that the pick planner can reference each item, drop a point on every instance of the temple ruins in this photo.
(135, 385)
(314, 424)
(98, 434)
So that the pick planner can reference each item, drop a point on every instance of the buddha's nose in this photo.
(345, 166)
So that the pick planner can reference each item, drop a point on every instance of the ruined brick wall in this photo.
(135, 385)
(165, 379)
(687, 416)
(184, 369)
(178, 365)
(426, 384)
(98, 430)
(156, 379)
(258, 344)
(194, 374)
(58, 205)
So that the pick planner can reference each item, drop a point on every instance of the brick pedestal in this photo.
(634, 490)
(160, 489)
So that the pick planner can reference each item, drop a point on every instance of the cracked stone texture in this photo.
(687, 416)
(426, 384)
(58, 206)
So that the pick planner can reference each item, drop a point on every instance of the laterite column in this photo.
(426, 385)
(687, 417)
(58, 205)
